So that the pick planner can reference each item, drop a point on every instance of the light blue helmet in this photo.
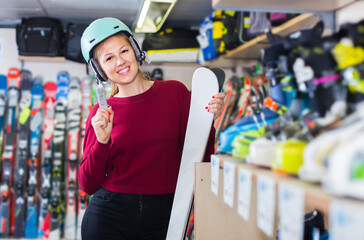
(103, 28)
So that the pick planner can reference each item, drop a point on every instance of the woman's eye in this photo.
(107, 59)
(124, 51)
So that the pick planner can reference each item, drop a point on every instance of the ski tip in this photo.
(220, 75)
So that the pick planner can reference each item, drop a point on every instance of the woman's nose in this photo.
(120, 60)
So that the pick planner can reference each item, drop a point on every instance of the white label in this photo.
(346, 221)
(244, 192)
(266, 196)
(291, 211)
(229, 179)
(302, 72)
(215, 166)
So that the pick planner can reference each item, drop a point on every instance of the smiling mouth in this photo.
(123, 71)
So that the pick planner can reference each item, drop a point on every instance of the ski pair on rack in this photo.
(12, 99)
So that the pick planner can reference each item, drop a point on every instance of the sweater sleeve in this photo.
(93, 167)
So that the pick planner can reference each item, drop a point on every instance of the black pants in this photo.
(126, 216)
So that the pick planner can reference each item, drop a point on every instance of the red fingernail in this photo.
(208, 104)
(109, 113)
(206, 107)
(208, 110)
(109, 120)
(213, 96)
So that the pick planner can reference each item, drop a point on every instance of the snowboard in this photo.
(205, 84)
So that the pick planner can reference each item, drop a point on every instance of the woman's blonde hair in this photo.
(114, 87)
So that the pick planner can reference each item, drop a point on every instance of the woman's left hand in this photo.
(216, 104)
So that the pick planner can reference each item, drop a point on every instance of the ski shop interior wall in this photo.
(49, 68)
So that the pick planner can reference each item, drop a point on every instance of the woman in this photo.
(132, 150)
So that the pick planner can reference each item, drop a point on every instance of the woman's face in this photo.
(117, 59)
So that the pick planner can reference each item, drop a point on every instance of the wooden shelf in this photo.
(281, 5)
(214, 219)
(252, 50)
(315, 196)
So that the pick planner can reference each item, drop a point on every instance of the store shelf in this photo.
(252, 50)
(40, 58)
(214, 219)
(281, 5)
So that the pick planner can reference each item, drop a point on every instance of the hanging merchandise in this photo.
(40, 36)
(50, 90)
(225, 31)
(229, 103)
(289, 156)
(72, 48)
(31, 227)
(72, 161)
(206, 41)
(345, 173)
(349, 55)
(314, 227)
(6, 207)
(22, 153)
(157, 74)
(262, 152)
(252, 24)
(172, 44)
(241, 143)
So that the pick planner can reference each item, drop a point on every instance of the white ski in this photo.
(204, 85)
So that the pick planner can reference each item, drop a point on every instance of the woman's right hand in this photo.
(102, 123)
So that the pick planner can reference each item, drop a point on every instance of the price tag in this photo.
(291, 205)
(229, 178)
(266, 199)
(346, 221)
(215, 166)
(244, 192)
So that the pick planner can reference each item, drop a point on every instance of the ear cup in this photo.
(97, 70)
(139, 54)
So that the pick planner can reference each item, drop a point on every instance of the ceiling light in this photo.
(153, 14)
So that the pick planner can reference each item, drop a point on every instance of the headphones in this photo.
(139, 55)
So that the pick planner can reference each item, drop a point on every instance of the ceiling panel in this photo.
(86, 16)
(186, 13)
(103, 5)
(14, 14)
(19, 4)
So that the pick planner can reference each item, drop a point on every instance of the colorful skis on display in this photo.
(204, 85)
(33, 162)
(13, 80)
(86, 109)
(73, 133)
(22, 152)
(50, 91)
(58, 147)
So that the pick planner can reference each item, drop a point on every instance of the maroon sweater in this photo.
(145, 148)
